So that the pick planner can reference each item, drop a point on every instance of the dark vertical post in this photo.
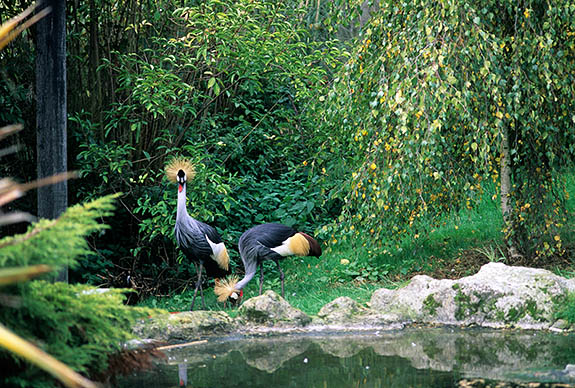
(51, 110)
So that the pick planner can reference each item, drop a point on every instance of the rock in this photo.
(560, 325)
(570, 370)
(137, 343)
(345, 311)
(185, 326)
(271, 309)
(497, 296)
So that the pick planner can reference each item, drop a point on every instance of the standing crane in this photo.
(261, 243)
(199, 242)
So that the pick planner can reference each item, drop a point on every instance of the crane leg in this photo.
(202, 295)
(261, 277)
(281, 276)
(198, 285)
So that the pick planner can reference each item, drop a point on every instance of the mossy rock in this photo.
(346, 312)
(185, 326)
(270, 309)
(497, 296)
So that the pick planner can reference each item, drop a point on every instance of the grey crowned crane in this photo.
(199, 242)
(261, 243)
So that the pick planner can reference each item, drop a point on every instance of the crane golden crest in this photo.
(225, 288)
(178, 164)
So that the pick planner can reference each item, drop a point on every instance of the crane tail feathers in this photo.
(225, 288)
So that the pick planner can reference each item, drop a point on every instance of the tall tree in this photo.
(439, 98)
(51, 110)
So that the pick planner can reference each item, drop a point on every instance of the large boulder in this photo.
(185, 326)
(497, 296)
(270, 309)
(346, 312)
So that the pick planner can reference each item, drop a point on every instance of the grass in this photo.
(458, 247)
(566, 309)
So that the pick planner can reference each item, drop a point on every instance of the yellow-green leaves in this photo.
(438, 83)
(13, 27)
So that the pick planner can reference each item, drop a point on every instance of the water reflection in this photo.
(435, 357)
(183, 374)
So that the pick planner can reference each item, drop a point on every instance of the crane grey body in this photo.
(199, 242)
(272, 242)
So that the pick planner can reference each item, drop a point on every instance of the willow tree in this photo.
(439, 98)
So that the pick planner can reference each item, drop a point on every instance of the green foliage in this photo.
(224, 84)
(565, 309)
(418, 113)
(78, 324)
(57, 242)
(75, 323)
(225, 77)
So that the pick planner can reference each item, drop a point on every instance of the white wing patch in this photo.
(219, 253)
(295, 245)
(284, 249)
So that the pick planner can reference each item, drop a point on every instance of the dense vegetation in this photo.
(74, 323)
(408, 137)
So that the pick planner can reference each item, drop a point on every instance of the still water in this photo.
(419, 357)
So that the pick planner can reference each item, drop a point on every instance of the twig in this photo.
(181, 345)
(9, 130)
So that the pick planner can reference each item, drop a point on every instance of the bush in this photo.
(79, 325)
(224, 84)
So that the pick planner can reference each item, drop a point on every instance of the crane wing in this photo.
(271, 235)
(219, 251)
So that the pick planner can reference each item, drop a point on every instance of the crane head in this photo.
(314, 247)
(179, 170)
(181, 180)
(226, 290)
(236, 297)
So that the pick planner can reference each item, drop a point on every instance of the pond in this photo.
(416, 357)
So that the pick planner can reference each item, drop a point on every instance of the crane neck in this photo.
(250, 269)
(181, 210)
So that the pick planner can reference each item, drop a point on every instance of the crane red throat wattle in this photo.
(180, 188)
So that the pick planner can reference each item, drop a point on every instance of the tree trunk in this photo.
(505, 190)
(51, 111)
(94, 62)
